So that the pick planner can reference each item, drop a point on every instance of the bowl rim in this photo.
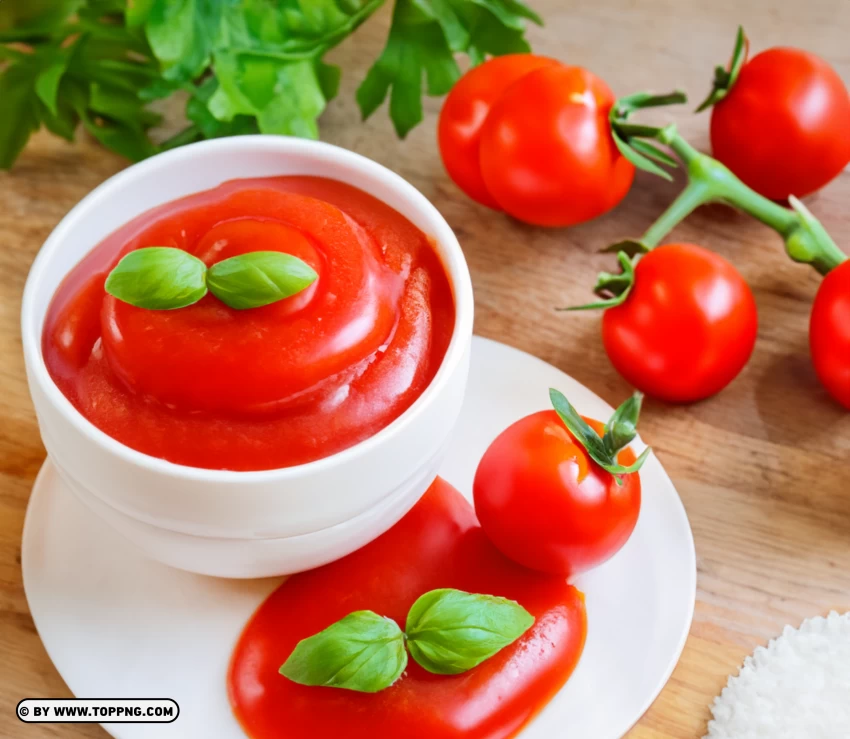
(452, 259)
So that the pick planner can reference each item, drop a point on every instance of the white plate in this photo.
(117, 624)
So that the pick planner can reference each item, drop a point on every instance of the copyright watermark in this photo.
(98, 710)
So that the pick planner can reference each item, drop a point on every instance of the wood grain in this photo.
(761, 467)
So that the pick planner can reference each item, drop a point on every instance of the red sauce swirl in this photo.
(289, 383)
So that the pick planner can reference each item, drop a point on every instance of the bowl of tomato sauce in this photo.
(261, 441)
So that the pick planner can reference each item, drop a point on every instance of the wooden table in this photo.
(761, 468)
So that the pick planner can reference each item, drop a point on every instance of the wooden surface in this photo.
(761, 468)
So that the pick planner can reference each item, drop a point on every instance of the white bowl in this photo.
(154, 498)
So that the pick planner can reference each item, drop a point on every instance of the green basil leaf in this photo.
(158, 278)
(451, 631)
(580, 429)
(363, 652)
(622, 426)
(258, 278)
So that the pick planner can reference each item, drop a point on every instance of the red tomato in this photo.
(437, 544)
(546, 504)
(829, 333)
(784, 127)
(686, 329)
(531, 136)
(464, 113)
(547, 154)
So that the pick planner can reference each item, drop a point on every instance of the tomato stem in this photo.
(805, 238)
(693, 196)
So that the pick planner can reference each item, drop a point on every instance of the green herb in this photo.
(448, 632)
(640, 153)
(362, 652)
(73, 63)
(424, 37)
(620, 430)
(165, 278)
(258, 278)
(248, 67)
(726, 77)
(158, 278)
(709, 181)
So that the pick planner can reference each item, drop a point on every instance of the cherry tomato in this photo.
(546, 504)
(687, 327)
(464, 113)
(784, 127)
(829, 333)
(547, 154)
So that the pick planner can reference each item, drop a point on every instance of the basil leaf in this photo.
(579, 428)
(158, 278)
(363, 652)
(622, 426)
(451, 631)
(258, 278)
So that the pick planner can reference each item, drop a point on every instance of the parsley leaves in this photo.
(247, 66)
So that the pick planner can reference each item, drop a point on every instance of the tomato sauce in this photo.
(288, 383)
(438, 544)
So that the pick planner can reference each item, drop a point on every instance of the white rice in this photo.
(798, 687)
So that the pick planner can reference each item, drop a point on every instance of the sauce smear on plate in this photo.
(438, 544)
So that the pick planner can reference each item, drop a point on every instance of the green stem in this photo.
(695, 194)
(710, 181)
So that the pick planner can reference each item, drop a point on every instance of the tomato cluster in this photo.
(530, 136)
(548, 144)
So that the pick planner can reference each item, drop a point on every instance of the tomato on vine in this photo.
(680, 322)
(829, 333)
(531, 136)
(780, 121)
(686, 328)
